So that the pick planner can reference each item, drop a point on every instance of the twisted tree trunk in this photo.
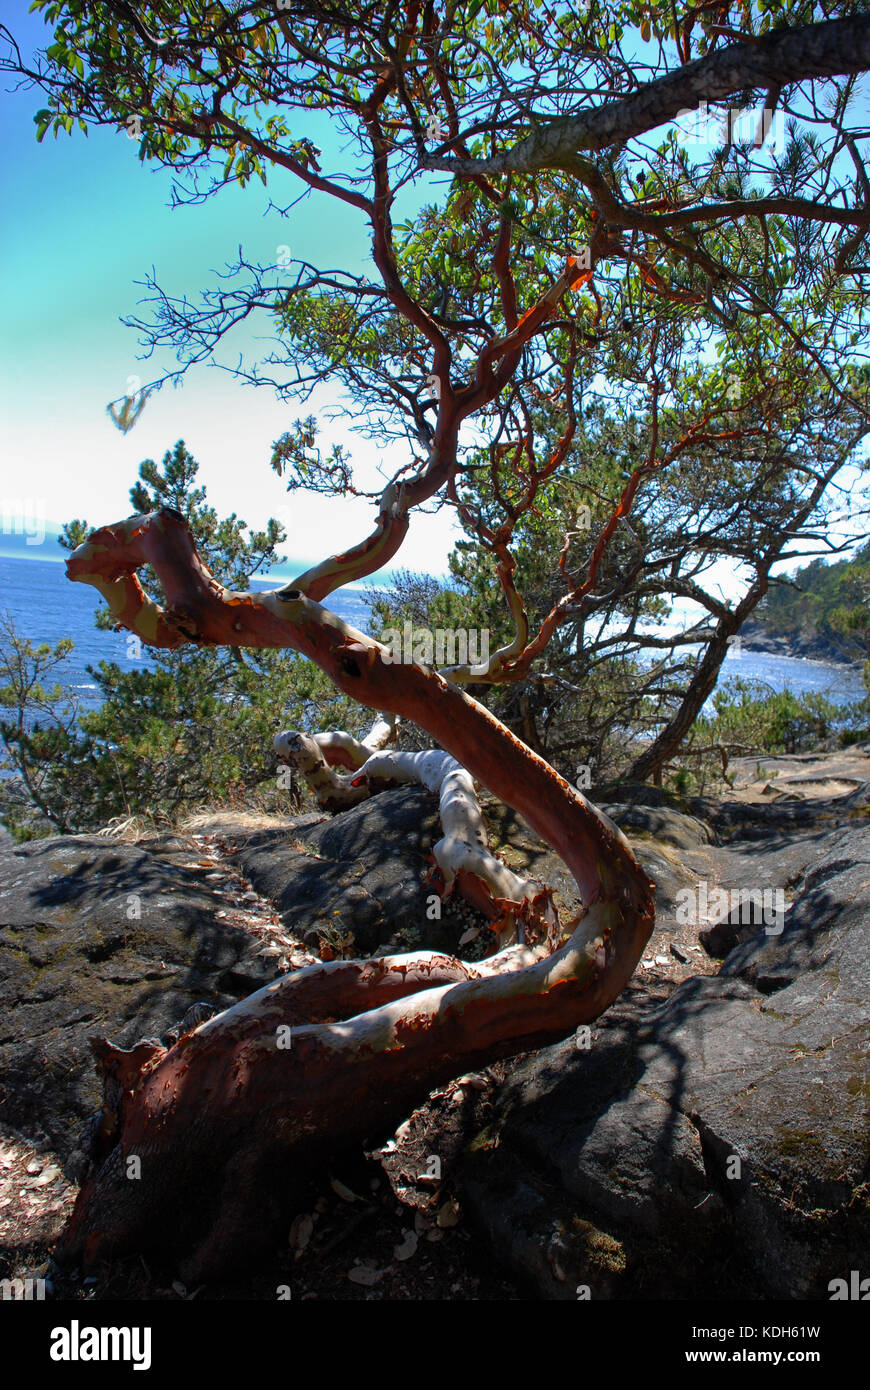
(668, 743)
(226, 1122)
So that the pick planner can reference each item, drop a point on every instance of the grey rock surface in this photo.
(712, 1140)
(99, 938)
(358, 877)
(717, 1143)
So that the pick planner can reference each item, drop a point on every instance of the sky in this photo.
(84, 221)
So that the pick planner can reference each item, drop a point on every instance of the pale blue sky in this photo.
(84, 220)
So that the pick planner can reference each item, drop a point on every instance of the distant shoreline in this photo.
(59, 556)
(38, 593)
(811, 649)
(802, 656)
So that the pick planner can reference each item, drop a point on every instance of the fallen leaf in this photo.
(301, 1232)
(49, 1175)
(408, 1246)
(343, 1192)
(448, 1215)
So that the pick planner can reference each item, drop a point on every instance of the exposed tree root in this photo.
(519, 909)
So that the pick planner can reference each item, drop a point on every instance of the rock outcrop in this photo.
(709, 1136)
(821, 643)
(714, 1144)
(102, 938)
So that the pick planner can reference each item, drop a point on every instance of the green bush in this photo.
(750, 717)
(194, 727)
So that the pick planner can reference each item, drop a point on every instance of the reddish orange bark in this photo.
(218, 1118)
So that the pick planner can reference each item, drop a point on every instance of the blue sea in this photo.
(46, 607)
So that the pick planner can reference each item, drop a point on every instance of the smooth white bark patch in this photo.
(463, 847)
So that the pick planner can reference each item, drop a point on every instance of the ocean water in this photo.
(45, 607)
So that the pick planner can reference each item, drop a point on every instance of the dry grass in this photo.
(207, 820)
(217, 820)
(130, 829)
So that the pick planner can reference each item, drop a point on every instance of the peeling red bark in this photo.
(218, 1120)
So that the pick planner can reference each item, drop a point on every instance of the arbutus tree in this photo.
(764, 496)
(569, 242)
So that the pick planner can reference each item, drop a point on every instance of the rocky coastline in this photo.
(828, 647)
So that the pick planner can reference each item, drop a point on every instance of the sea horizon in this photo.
(46, 607)
(40, 541)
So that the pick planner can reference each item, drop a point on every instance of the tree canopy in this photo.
(571, 210)
(602, 284)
